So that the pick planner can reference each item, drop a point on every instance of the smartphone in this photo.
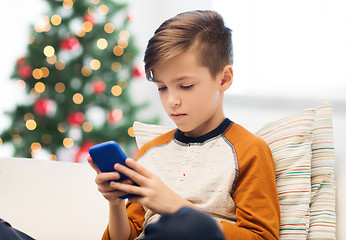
(105, 155)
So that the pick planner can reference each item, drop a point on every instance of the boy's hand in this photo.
(110, 193)
(153, 193)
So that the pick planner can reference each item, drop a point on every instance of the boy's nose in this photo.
(174, 100)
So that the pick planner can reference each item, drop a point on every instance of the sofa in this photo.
(59, 200)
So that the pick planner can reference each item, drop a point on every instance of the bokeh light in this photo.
(87, 127)
(86, 71)
(68, 142)
(131, 132)
(55, 20)
(116, 90)
(116, 67)
(109, 28)
(67, 4)
(48, 51)
(40, 87)
(95, 64)
(37, 73)
(118, 51)
(60, 65)
(30, 124)
(78, 98)
(102, 43)
(60, 87)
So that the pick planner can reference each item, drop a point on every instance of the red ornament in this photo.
(89, 18)
(137, 72)
(98, 87)
(44, 107)
(75, 118)
(83, 152)
(24, 71)
(130, 17)
(69, 44)
(21, 61)
(114, 116)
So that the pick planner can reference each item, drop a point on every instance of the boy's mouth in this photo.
(177, 116)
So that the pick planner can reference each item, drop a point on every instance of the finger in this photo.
(92, 164)
(133, 189)
(133, 175)
(138, 168)
(107, 176)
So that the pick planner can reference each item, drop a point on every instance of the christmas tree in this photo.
(76, 72)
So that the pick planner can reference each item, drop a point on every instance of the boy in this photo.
(208, 163)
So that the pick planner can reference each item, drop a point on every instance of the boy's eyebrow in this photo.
(177, 79)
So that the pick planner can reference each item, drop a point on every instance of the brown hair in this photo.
(178, 34)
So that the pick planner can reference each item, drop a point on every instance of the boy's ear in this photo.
(227, 78)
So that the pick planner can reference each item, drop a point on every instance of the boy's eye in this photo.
(186, 86)
(161, 88)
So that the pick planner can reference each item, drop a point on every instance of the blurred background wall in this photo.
(289, 55)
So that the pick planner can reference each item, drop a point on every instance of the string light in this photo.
(124, 34)
(48, 51)
(102, 43)
(131, 132)
(127, 57)
(95, 1)
(81, 33)
(51, 60)
(67, 4)
(46, 138)
(40, 87)
(30, 124)
(60, 87)
(34, 93)
(61, 127)
(122, 83)
(21, 83)
(103, 9)
(43, 25)
(87, 127)
(77, 98)
(86, 71)
(28, 116)
(45, 72)
(116, 67)
(109, 28)
(1, 142)
(87, 26)
(37, 73)
(60, 65)
(35, 146)
(95, 64)
(55, 20)
(68, 142)
(53, 157)
(118, 51)
(123, 43)
(116, 90)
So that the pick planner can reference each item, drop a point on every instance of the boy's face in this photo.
(191, 97)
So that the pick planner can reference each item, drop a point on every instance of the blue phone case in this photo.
(105, 155)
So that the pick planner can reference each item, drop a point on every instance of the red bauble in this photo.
(83, 152)
(24, 71)
(98, 86)
(114, 116)
(75, 118)
(44, 107)
(21, 61)
(137, 72)
(69, 44)
(89, 18)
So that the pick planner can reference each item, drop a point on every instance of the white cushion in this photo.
(51, 200)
